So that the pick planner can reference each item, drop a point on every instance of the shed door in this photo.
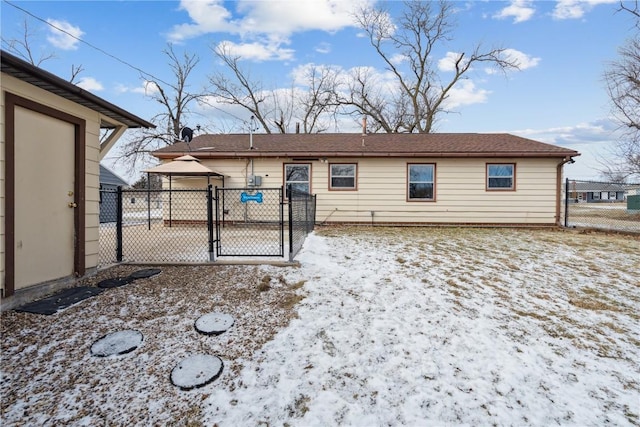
(44, 198)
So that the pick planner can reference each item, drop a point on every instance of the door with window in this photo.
(298, 175)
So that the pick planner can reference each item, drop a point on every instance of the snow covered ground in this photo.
(398, 326)
(467, 327)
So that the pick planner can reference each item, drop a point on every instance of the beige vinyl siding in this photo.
(92, 138)
(92, 194)
(2, 189)
(461, 195)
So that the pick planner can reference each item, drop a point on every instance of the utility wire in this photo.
(141, 71)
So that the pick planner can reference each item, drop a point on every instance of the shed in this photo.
(109, 183)
(49, 166)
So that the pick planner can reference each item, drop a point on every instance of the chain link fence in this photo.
(201, 224)
(154, 226)
(249, 222)
(602, 205)
(302, 217)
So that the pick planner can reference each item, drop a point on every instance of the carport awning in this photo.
(184, 166)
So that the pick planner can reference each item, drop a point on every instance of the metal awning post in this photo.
(148, 201)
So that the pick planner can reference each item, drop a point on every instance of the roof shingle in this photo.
(358, 145)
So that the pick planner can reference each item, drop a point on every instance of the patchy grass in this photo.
(455, 325)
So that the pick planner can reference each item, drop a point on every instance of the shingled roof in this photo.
(358, 145)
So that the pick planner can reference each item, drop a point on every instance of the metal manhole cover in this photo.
(213, 323)
(196, 371)
(116, 343)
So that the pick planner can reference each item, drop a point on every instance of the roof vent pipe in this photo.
(251, 132)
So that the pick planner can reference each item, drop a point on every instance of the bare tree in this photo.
(241, 90)
(175, 100)
(419, 94)
(623, 86)
(312, 102)
(318, 104)
(23, 49)
(633, 8)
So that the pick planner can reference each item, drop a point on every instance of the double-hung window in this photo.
(298, 175)
(342, 176)
(501, 176)
(421, 182)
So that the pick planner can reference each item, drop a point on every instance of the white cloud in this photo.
(576, 9)
(593, 140)
(601, 131)
(90, 84)
(448, 63)
(520, 10)
(257, 51)
(147, 88)
(398, 58)
(277, 19)
(323, 48)
(523, 60)
(465, 92)
(267, 23)
(67, 39)
(208, 17)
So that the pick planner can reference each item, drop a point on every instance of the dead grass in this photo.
(552, 282)
(163, 308)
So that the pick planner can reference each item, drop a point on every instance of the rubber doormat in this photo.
(60, 300)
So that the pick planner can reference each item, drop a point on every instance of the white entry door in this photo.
(44, 198)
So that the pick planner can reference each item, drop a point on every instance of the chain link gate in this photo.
(199, 225)
(249, 222)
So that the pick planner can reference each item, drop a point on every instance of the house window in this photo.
(501, 176)
(342, 176)
(297, 174)
(421, 183)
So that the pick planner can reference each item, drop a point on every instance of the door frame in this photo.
(12, 101)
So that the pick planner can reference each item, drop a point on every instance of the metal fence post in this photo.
(210, 221)
(281, 220)
(289, 192)
(119, 225)
(566, 202)
(217, 206)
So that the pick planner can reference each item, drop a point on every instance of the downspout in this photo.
(564, 161)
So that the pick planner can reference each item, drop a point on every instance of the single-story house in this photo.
(595, 192)
(438, 178)
(49, 161)
(109, 183)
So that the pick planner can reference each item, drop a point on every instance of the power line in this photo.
(141, 71)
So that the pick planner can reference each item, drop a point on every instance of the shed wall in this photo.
(92, 149)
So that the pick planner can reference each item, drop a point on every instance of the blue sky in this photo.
(558, 96)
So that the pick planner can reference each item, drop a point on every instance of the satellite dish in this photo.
(186, 134)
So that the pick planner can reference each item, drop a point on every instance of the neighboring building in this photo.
(109, 183)
(595, 192)
(49, 162)
(468, 178)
